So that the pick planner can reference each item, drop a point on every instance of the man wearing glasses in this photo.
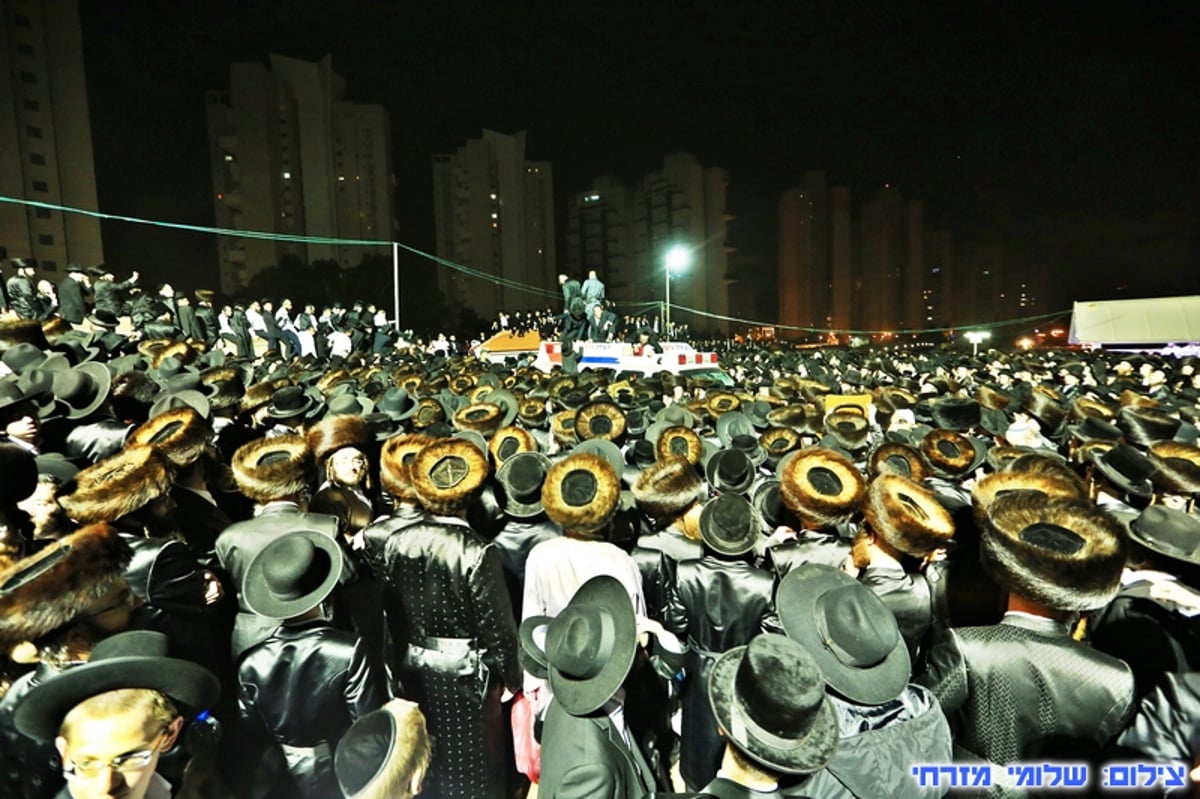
(113, 717)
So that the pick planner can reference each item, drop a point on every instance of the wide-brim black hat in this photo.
(521, 477)
(728, 525)
(134, 659)
(82, 389)
(292, 575)
(769, 698)
(1169, 532)
(847, 629)
(730, 470)
(1126, 468)
(590, 645)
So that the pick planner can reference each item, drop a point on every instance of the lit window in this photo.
(341, 178)
(288, 175)
(495, 215)
(228, 157)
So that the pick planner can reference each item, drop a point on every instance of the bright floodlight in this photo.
(978, 336)
(678, 258)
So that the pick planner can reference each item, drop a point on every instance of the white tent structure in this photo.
(1155, 321)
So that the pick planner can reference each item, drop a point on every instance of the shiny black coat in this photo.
(1023, 690)
(306, 685)
(714, 605)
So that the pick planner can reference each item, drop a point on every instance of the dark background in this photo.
(1065, 133)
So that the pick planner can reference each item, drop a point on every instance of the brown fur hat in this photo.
(907, 515)
(508, 441)
(894, 457)
(1052, 466)
(335, 432)
(395, 464)
(562, 427)
(600, 419)
(668, 487)
(447, 474)
(849, 428)
(175, 349)
(1065, 555)
(992, 399)
(1144, 426)
(1043, 406)
(1002, 484)
(259, 394)
(46, 590)
(268, 469)
(16, 331)
(1082, 407)
(182, 434)
(1178, 467)
(951, 454)
(119, 485)
(681, 441)
(821, 486)
(794, 416)
(581, 493)
(480, 417)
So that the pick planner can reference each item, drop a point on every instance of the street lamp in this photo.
(976, 337)
(678, 259)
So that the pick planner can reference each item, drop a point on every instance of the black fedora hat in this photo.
(521, 477)
(1169, 532)
(728, 525)
(1126, 468)
(730, 470)
(590, 645)
(82, 389)
(290, 402)
(769, 698)
(847, 629)
(397, 403)
(292, 575)
(134, 659)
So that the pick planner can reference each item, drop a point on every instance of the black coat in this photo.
(714, 605)
(461, 640)
(71, 303)
(22, 297)
(1023, 690)
(306, 685)
(584, 757)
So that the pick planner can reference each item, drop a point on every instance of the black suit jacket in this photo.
(71, 305)
(585, 757)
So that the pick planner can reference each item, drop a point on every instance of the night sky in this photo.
(1065, 133)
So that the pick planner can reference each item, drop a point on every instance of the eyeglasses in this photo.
(130, 761)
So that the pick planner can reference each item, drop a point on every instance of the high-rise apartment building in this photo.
(290, 156)
(494, 213)
(599, 237)
(683, 204)
(805, 268)
(46, 137)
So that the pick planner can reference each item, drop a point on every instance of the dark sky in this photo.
(1064, 132)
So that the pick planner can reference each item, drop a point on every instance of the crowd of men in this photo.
(257, 560)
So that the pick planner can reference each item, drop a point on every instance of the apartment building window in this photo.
(49, 266)
(42, 213)
(31, 105)
(46, 239)
(33, 131)
(37, 159)
(22, 21)
(28, 77)
(40, 185)
(24, 48)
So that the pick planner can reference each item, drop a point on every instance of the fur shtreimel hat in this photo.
(395, 464)
(336, 432)
(894, 457)
(508, 441)
(1144, 426)
(47, 590)
(119, 485)
(821, 486)
(679, 441)
(480, 417)
(581, 493)
(1065, 555)
(907, 516)
(272, 468)
(1003, 484)
(955, 413)
(182, 434)
(447, 473)
(600, 419)
(1178, 468)
(667, 488)
(952, 454)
